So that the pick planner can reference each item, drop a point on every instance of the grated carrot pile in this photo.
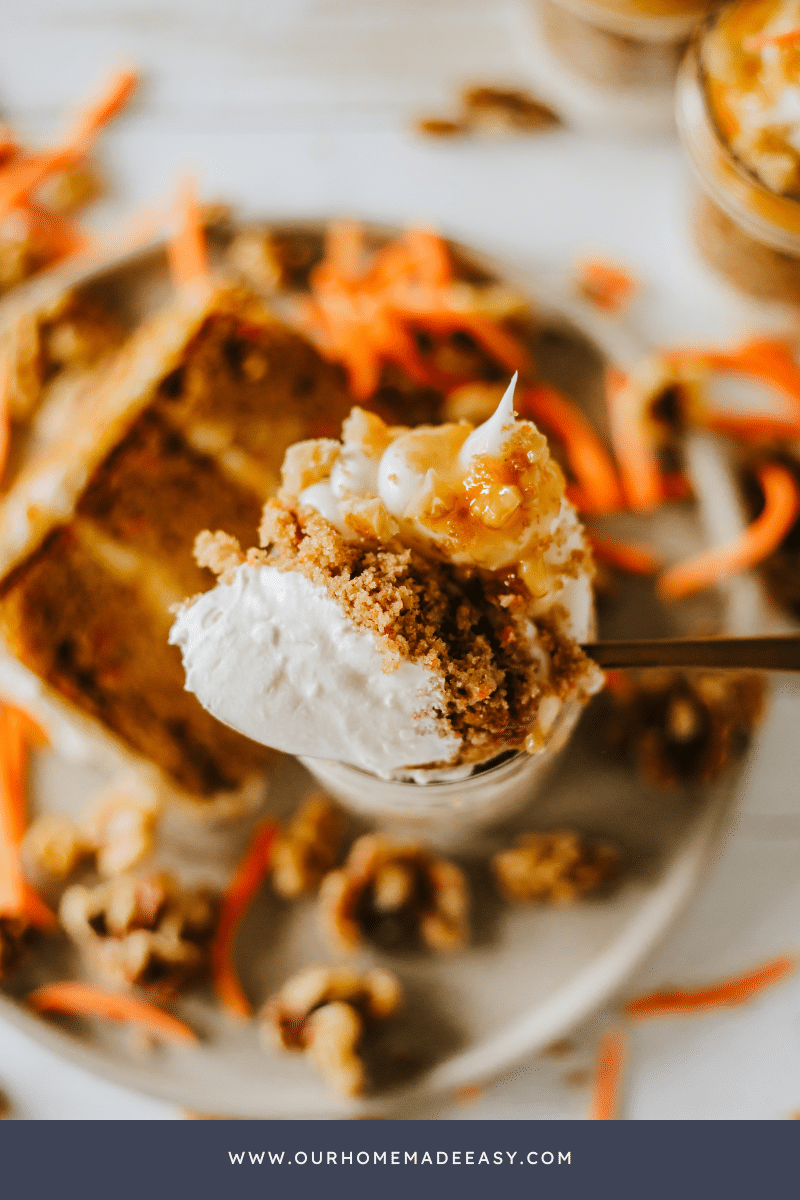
(85, 1000)
(728, 993)
(247, 879)
(364, 308)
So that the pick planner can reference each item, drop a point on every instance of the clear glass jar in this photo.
(621, 43)
(744, 230)
(448, 813)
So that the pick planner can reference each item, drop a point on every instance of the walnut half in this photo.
(325, 1011)
(393, 892)
(148, 932)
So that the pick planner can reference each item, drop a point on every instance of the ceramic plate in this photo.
(531, 973)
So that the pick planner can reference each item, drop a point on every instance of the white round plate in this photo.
(530, 974)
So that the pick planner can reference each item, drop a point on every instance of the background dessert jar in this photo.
(738, 111)
(621, 43)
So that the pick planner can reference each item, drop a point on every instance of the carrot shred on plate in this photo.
(634, 557)
(730, 992)
(85, 1000)
(187, 251)
(754, 427)
(675, 486)
(607, 1082)
(608, 286)
(17, 897)
(768, 360)
(599, 488)
(765, 534)
(247, 879)
(633, 447)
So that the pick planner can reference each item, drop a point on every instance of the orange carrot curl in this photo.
(758, 541)
(634, 557)
(757, 41)
(187, 252)
(607, 1082)
(17, 897)
(633, 446)
(768, 360)
(247, 879)
(599, 489)
(718, 995)
(86, 1000)
(608, 286)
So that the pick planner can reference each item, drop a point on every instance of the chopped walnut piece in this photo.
(55, 846)
(309, 848)
(121, 824)
(506, 110)
(559, 867)
(145, 931)
(326, 1011)
(682, 728)
(393, 892)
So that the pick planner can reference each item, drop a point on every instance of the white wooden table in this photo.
(292, 107)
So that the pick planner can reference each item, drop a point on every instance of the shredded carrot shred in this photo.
(187, 252)
(599, 490)
(754, 427)
(638, 468)
(781, 507)
(99, 111)
(768, 360)
(718, 995)
(247, 879)
(609, 287)
(675, 486)
(634, 557)
(605, 1102)
(17, 897)
(86, 1000)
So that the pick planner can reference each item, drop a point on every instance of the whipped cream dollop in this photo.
(273, 656)
(751, 61)
(489, 497)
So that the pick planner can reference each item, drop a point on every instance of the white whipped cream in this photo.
(273, 656)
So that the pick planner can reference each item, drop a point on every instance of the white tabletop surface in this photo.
(294, 107)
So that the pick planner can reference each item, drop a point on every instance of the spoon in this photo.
(780, 653)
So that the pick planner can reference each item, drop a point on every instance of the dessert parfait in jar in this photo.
(411, 623)
(621, 44)
(738, 110)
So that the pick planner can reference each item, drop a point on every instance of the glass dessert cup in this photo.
(449, 812)
(622, 44)
(747, 232)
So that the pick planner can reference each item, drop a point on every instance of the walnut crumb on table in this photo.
(325, 1011)
(559, 867)
(393, 893)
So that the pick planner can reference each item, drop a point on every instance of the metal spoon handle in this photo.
(780, 653)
